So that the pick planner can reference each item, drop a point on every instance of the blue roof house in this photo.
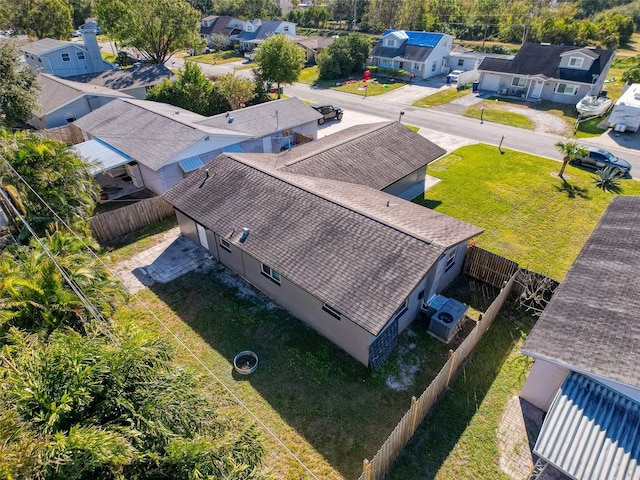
(424, 54)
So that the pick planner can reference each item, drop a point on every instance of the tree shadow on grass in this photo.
(573, 191)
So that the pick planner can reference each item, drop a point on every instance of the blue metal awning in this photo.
(190, 164)
(101, 155)
(235, 148)
(591, 432)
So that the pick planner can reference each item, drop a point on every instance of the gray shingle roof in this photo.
(46, 45)
(537, 59)
(142, 76)
(376, 155)
(413, 53)
(592, 323)
(265, 118)
(142, 130)
(219, 26)
(312, 232)
(56, 92)
(266, 28)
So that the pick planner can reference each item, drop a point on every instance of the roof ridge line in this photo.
(325, 148)
(331, 200)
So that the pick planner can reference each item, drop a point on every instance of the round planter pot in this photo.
(245, 362)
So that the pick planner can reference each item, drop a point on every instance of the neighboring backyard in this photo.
(529, 214)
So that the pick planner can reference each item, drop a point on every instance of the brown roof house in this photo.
(311, 228)
(586, 347)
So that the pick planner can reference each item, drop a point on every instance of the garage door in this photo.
(490, 82)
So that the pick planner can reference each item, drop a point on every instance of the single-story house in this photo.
(219, 25)
(133, 81)
(256, 31)
(424, 54)
(313, 45)
(67, 59)
(586, 347)
(558, 73)
(349, 260)
(167, 143)
(465, 59)
(62, 101)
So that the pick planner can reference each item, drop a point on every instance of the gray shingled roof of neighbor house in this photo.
(46, 45)
(150, 132)
(55, 92)
(538, 59)
(142, 76)
(265, 118)
(376, 155)
(592, 323)
(351, 246)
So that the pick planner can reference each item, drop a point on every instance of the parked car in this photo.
(328, 112)
(453, 76)
(598, 158)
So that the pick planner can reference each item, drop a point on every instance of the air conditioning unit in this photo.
(447, 320)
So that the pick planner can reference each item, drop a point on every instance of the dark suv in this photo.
(598, 158)
(328, 112)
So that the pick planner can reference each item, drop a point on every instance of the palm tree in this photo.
(570, 151)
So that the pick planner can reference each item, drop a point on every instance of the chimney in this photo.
(94, 58)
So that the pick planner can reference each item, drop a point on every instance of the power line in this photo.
(163, 324)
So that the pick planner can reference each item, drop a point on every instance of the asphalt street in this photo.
(448, 130)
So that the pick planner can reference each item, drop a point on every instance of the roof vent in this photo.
(245, 234)
(177, 112)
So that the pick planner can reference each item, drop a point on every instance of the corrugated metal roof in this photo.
(102, 155)
(591, 432)
(190, 164)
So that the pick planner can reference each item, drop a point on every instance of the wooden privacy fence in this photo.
(118, 223)
(488, 267)
(69, 134)
(379, 466)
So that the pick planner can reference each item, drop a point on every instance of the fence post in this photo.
(414, 405)
(366, 468)
(452, 356)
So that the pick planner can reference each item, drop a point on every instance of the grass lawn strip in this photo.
(529, 214)
(315, 397)
(440, 98)
(458, 439)
(499, 113)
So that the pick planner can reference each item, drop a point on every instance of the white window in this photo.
(417, 66)
(65, 57)
(286, 28)
(576, 62)
(566, 89)
(433, 66)
(518, 82)
(271, 273)
(80, 55)
(225, 244)
(401, 310)
(391, 42)
(461, 62)
(331, 311)
(451, 261)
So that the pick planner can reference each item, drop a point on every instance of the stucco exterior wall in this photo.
(542, 383)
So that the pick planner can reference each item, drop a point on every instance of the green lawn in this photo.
(223, 56)
(458, 439)
(441, 97)
(309, 75)
(529, 214)
(316, 398)
(494, 113)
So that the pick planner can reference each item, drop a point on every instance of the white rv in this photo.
(625, 115)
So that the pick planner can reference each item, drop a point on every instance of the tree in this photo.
(279, 60)
(632, 75)
(97, 409)
(156, 28)
(238, 91)
(570, 151)
(344, 56)
(56, 178)
(192, 91)
(42, 18)
(218, 41)
(383, 14)
(80, 11)
(18, 87)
